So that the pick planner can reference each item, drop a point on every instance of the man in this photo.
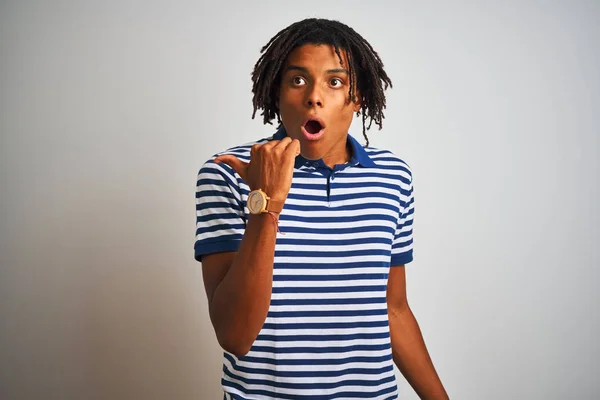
(303, 236)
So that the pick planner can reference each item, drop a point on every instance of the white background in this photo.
(108, 110)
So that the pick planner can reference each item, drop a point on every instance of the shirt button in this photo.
(316, 164)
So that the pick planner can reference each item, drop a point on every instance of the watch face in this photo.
(255, 202)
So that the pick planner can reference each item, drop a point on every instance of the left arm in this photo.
(408, 348)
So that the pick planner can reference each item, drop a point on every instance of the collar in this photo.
(359, 155)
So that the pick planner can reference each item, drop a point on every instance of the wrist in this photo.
(267, 218)
(259, 202)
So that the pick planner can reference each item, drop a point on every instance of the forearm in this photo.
(241, 301)
(411, 356)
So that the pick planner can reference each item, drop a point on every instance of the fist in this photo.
(270, 169)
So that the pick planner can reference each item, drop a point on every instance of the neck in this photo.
(338, 154)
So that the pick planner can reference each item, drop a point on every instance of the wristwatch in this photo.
(259, 203)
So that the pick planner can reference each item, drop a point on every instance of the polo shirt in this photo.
(326, 335)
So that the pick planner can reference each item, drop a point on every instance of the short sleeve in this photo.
(402, 246)
(220, 218)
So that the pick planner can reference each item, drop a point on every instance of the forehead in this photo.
(316, 57)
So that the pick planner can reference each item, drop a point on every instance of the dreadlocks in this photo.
(365, 68)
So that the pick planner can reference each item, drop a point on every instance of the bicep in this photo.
(214, 269)
(396, 288)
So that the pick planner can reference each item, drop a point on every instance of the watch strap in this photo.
(275, 206)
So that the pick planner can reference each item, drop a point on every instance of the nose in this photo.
(314, 97)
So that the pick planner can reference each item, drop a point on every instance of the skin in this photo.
(239, 284)
(314, 82)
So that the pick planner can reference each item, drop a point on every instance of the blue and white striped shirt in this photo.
(326, 335)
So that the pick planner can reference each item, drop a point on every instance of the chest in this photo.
(338, 219)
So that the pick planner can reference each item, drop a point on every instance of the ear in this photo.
(277, 100)
(356, 105)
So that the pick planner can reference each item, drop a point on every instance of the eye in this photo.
(335, 82)
(298, 80)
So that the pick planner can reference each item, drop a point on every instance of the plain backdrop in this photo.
(109, 109)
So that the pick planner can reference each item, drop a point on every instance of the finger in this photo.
(238, 165)
(293, 148)
(254, 149)
(271, 144)
(283, 143)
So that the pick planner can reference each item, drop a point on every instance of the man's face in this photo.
(314, 104)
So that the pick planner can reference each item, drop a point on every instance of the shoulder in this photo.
(389, 162)
(393, 165)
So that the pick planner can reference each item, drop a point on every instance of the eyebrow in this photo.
(329, 71)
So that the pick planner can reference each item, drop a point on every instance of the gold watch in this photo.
(259, 203)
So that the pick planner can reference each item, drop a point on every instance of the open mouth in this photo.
(313, 127)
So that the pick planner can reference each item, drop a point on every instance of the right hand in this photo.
(270, 169)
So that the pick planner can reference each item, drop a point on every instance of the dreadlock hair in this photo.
(365, 68)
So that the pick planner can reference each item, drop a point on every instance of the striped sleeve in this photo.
(402, 246)
(220, 218)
